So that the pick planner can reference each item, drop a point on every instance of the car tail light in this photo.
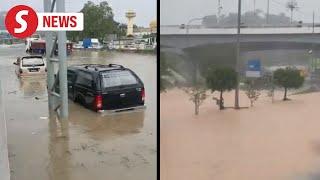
(143, 94)
(98, 102)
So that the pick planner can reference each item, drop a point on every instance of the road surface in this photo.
(278, 141)
(88, 145)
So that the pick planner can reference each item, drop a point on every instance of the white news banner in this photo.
(60, 21)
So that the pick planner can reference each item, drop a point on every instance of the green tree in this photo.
(221, 79)
(98, 22)
(288, 78)
(197, 95)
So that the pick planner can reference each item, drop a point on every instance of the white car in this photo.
(30, 65)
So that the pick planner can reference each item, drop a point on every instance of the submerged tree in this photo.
(288, 78)
(221, 79)
(197, 96)
(252, 90)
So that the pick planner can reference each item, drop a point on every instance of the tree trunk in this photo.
(221, 101)
(196, 105)
(285, 94)
(196, 110)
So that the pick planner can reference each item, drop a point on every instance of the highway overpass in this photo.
(177, 38)
(273, 46)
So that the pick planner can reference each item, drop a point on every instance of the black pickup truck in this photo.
(105, 87)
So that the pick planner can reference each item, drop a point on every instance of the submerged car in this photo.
(30, 65)
(105, 87)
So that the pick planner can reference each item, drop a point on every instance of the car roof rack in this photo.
(115, 65)
(97, 66)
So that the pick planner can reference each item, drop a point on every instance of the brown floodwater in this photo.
(278, 141)
(88, 145)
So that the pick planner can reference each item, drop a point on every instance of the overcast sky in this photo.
(145, 9)
(180, 11)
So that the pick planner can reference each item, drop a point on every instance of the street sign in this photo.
(253, 68)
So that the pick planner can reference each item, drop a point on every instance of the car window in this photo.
(116, 78)
(84, 79)
(26, 62)
(35, 36)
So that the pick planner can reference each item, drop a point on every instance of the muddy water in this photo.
(88, 145)
(278, 141)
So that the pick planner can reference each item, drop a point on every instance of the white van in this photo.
(30, 65)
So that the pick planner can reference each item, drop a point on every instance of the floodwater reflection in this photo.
(59, 153)
(90, 145)
(33, 86)
(104, 126)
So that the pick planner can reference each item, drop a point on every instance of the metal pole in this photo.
(196, 64)
(50, 66)
(313, 22)
(236, 102)
(219, 11)
(62, 65)
(313, 63)
(188, 43)
(254, 7)
(268, 11)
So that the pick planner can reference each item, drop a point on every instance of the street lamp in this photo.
(236, 102)
(187, 32)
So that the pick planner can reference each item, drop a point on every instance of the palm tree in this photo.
(292, 5)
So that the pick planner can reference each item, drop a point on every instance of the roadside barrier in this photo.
(4, 160)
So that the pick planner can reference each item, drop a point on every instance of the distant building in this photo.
(153, 26)
(142, 31)
(130, 16)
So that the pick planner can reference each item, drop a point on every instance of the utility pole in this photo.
(236, 102)
(50, 70)
(254, 7)
(313, 62)
(62, 51)
(268, 11)
(313, 22)
(195, 65)
(219, 11)
(56, 101)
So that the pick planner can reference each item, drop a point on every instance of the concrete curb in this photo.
(4, 160)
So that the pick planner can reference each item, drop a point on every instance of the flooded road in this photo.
(88, 145)
(278, 141)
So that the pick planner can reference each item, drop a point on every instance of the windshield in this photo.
(32, 62)
(117, 78)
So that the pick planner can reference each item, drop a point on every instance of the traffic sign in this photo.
(253, 68)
